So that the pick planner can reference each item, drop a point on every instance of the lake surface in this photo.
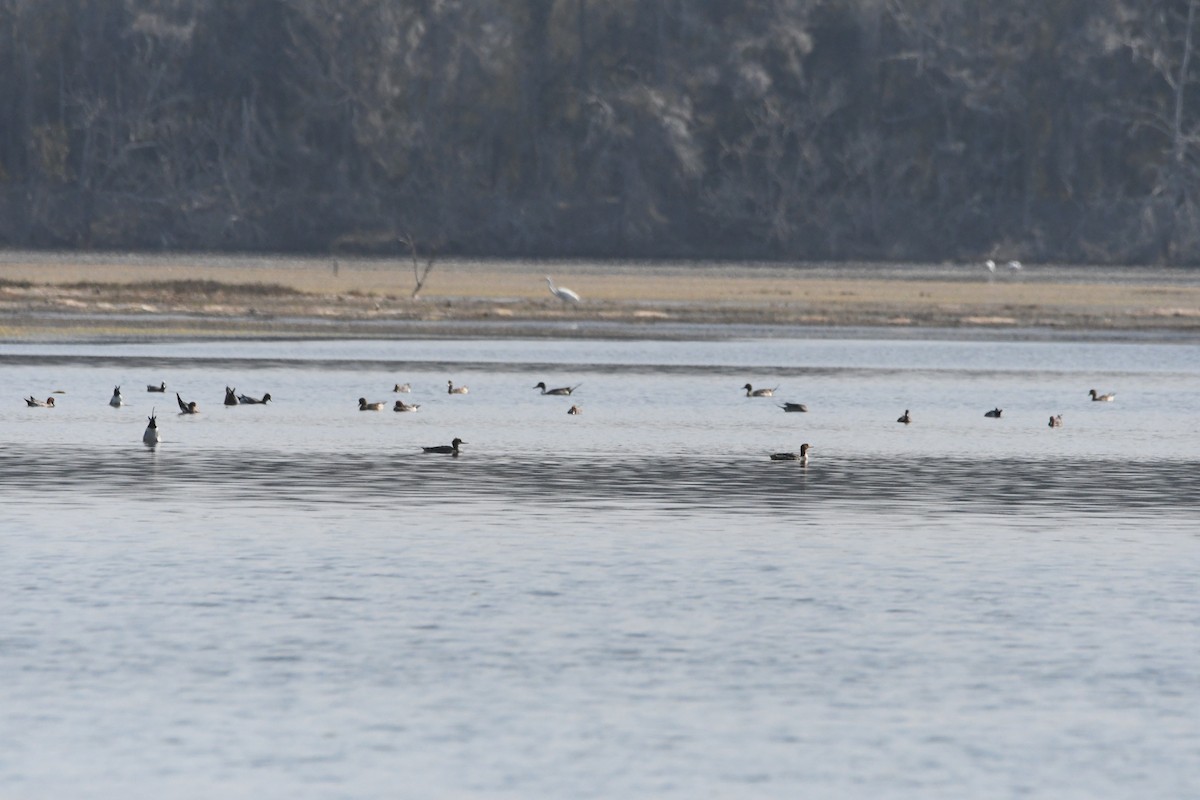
(293, 600)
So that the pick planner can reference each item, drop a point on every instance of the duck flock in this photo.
(152, 436)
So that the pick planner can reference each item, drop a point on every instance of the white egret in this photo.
(562, 292)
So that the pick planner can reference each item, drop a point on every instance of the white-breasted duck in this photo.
(162, 387)
(802, 456)
(403, 406)
(32, 403)
(152, 436)
(247, 400)
(752, 392)
(452, 389)
(560, 391)
(363, 405)
(1056, 421)
(1101, 398)
(449, 449)
(186, 408)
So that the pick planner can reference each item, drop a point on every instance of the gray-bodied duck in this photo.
(363, 405)
(1101, 398)
(448, 449)
(560, 391)
(752, 392)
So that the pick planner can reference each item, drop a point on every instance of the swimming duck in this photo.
(802, 456)
(29, 401)
(1101, 398)
(151, 436)
(906, 418)
(452, 389)
(562, 390)
(402, 387)
(162, 387)
(752, 392)
(994, 413)
(186, 408)
(403, 406)
(363, 405)
(451, 448)
(1056, 421)
(116, 401)
(574, 411)
(230, 397)
(794, 407)
(251, 401)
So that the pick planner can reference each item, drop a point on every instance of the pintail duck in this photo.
(162, 387)
(1056, 421)
(794, 407)
(403, 406)
(452, 389)
(151, 436)
(32, 403)
(1101, 398)
(574, 411)
(116, 401)
(562, 390)
(404, 388)
(451, 449)
(230, 397)
(752, 392)
(906, 418)
(186, 408)
(994, 413)
(802, 456)
(363, 405)
(251, 401)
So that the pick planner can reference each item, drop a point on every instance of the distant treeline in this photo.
(1064, 130)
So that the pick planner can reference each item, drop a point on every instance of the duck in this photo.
(404, 388)
(562, 390)
(251, 401)
(32, 403)
(186, 408)
(230, 397)
(574, 411)
(116, 401)
(152, 437)
(790, 407)
(802, 456)
(451, 449)
(363, 405)
(1101, 398)
(403, 406)
(994, 413)
(1056, 421)
(752, 392)
(452, 389)
(162, 387)
(906, 418)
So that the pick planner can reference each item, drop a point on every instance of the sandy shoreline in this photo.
(67, 296)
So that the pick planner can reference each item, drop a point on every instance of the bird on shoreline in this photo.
(562, 292)
(1056, 421)
(32, 403)
(251, 401)
(994, 413)
(449, 449)
(162, 387)
(186, 408)
(230, 397)
(802, 456)
(117, 401)
(363, 405)
(1101, 398)
(452, 389)
(562, 390)
(403, 406)
(752, 392)
(794, 407)
(906, 418)
(152, 437)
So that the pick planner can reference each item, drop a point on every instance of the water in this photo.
(295, 601)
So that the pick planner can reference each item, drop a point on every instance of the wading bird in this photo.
(562, 292)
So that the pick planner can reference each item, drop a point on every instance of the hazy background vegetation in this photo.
(795, 129)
